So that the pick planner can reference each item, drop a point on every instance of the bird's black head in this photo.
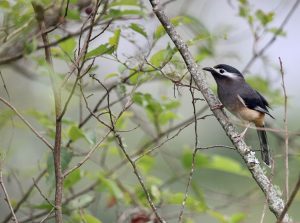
(225, 71)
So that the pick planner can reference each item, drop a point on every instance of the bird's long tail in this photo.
(263, 140)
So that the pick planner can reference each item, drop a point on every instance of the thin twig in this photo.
(26, 122)
(41, 193)
(290, 201)
(194, 154)
(25, 196)
(6, 197)
(286, 149)
(80, 163)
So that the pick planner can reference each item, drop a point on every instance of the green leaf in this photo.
(66, 157)
(114, 40)
(5, 116)
(75, 133)
(243, 11)
(263, 17)
(277, 31)
(4, 4)
(138, 28)
(111, 75)
(146, 163)
(228, 165)
(238, 217)
(43, 206)
(73, 178)
(111, 186)
(166, 116)
(217, 215)
(100, 50)
(123, 119)
(73, 14)
(201, 160)
(215, 162)
(125, 2)
(191, 202)
(68, 46)
(176, 21)
(80, 202)
(116, 13)
(84, 218)
(161, 57)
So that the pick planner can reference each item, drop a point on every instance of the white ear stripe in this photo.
(230, 75)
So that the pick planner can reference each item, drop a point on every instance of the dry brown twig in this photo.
(275, 202)
(286, 136)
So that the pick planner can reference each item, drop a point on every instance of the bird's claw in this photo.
(217, 106)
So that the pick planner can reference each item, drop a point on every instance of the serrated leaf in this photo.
(100, 50)
(138, 28)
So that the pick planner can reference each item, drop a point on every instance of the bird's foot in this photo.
(241, 136)
(217, 106)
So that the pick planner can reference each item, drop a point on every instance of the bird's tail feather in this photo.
(265, 151)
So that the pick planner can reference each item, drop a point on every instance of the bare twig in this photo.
(41, 193)
(6, 197)
(195, 151)
(80, 163)
(275, 202)
(290, 201)
(286, 150)
(26, 123)
(24, 198)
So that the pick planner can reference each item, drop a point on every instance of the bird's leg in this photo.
(242, 134)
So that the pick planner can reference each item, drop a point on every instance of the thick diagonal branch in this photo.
(275, 202)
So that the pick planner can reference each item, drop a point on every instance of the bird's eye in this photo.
(222, 71)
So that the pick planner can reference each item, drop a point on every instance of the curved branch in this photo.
(275, 202)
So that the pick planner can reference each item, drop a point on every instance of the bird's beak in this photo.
(210, 69)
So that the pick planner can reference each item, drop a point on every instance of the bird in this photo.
(246, 103)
